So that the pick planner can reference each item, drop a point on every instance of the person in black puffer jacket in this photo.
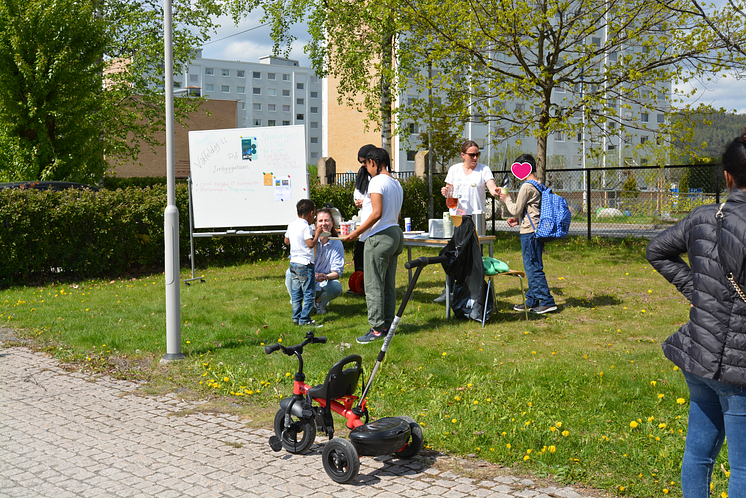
(711, 347)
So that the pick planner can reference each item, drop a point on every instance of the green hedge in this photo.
(81, 234)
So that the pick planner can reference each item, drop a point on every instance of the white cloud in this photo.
(726, 92)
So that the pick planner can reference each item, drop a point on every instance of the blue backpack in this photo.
(554, 219)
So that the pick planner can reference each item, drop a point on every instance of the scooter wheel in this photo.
(416, 440)
(341, 462)
(299, 436)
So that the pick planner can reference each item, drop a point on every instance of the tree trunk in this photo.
(387, 48)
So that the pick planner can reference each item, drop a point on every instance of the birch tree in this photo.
(539, 67)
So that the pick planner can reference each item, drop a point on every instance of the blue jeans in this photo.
(533, 265)
(716, 411)
(330, 289)
(303, 291)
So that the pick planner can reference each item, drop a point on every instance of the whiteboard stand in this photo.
(191, 237)
(226, 233)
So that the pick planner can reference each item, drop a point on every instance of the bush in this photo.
(75, 234)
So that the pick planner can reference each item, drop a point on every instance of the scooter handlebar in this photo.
(424, 261)
(319, 340)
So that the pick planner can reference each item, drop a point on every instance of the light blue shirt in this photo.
(330, 257)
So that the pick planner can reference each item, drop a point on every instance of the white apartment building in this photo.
(271, 92)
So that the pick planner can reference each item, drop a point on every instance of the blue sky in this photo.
(232, 42)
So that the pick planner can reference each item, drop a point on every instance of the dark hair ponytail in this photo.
(734, 160)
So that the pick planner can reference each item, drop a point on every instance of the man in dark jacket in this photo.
(711, 348)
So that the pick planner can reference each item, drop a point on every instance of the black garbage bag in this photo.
(464, 265)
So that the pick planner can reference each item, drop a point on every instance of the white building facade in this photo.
(271, 92)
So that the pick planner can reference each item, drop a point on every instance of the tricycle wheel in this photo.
(299, 436)
(341, 462)
(416, 440)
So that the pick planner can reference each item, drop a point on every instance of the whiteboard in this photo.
(247, 177)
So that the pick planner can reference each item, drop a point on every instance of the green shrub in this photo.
(81, 234)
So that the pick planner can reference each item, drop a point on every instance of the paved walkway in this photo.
(66, 434)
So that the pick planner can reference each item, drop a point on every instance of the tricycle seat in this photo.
(340, 381)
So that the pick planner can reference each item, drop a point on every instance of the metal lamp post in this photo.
(171, 214)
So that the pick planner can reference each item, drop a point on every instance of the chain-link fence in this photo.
(635, 201)
(344, 178)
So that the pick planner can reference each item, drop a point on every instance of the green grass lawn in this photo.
(584, 394)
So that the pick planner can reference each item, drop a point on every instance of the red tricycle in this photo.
(310, 407)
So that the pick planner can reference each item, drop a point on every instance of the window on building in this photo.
(257, 75)
(286, 108)
(194, 78)
(314, 124)
(256, 90)
(257, 107)
(559, 136)
(519, 107)
(412, 128)
(286, 93)
(299, 101)
(285, 77)
(271, 107)
(596, 41)
(644, 117)
(610, 147)
(299, 86)
(271, 76)
(314, 79)
(257, 122)
(225, 72)
(272, 92)
(299, 117)
(314, 95)
(644, 161)
(285, 122)
(643, 139)
(243, 106)
(240, 73)
(209, 87)
(177, 84)
(270, 122)
(209, 71)
(314, 110)
(579, 137)
(225, 88)
(661, 118)
(240, 89)
(314, 155)
(314, 140)
(410, 155)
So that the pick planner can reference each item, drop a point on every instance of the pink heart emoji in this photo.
(521, 170)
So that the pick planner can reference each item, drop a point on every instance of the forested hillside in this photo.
(717, 130)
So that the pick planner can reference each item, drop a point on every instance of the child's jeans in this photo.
(303, 293)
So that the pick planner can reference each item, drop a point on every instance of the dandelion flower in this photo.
(454, 421)
(526, 457)
(565, 433)
(633, 424)
(661, 426)
(660, 395)
(680, 401)
(552, 449)
(508, 446)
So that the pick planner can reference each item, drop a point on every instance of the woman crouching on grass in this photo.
(710, 348)
(384, 241)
